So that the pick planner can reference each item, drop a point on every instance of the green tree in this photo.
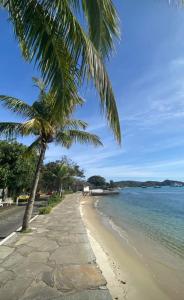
(69, 52)
(64, 172)
(59, 174)
(97, 181)
(48, 126)
(16, 173)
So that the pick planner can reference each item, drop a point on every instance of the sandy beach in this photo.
(127, 277)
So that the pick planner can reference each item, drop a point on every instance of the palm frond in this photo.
(84, 137)
(47, 48)
(62, 138)
(16, 105)
(31, 126)
(91, 63)
(102, 23)
(34, 147)
(60, 46)
(10, 130)
(75, 124)
(68, 137)
(39, 83)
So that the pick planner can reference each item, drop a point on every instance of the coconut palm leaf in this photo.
(10, 129)
(91, 64)
(40, 35)
(16, 105)
(75, 124)
(34, 147)
(102, 24)
(59, 46)
(68, 137)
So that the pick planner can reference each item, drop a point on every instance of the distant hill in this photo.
(131, 183)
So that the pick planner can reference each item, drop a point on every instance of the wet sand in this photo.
(127, 276)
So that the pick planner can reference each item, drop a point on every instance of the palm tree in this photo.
(63, 173)
(69, 41)
(42, 122)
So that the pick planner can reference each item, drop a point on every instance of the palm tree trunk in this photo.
(30, 203)
(60, 190)
(3, 194)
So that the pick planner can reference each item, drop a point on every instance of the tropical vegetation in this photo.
(97, 181)
(16, 173)
(43, 122)
(69, 41)
(59, 175)
(53, 201)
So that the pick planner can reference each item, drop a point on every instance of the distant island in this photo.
(131, 183)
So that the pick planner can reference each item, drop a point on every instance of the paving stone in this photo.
(14, 289)
(87, 295)
(5, 251)
(24, 239)
(78, 277)
(48, 278)
(43, 244)
(73, 254)
(24, 249)
(13, 260)
(5, 276)
(77, 238)
(42, 230)
(40, 291)
(53, 262)
(36, 256)
(32, 269)
(11, 241)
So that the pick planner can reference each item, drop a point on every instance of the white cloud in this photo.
(162, 169)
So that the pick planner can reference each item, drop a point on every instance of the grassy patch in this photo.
(29, 230)
(53, 201)
(45, 210)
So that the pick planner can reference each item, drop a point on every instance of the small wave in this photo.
(124, 236)
(122, 233)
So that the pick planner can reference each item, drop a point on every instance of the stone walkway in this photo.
(55, 261)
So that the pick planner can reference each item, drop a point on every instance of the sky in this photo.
(147, 74)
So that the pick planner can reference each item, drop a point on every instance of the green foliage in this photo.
(16, 172)
(53, 201)
(67, 51)
(62, 172)
(45, 210)
(44, 122)
(97, 181)
(47, 125)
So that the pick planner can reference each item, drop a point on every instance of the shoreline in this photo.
(127, 277)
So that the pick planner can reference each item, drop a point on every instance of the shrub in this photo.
(53, 201)
(45, 210)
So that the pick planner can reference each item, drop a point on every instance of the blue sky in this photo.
(147, 73)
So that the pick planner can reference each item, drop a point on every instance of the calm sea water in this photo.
(157, 213)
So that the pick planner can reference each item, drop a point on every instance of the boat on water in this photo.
(157, 187)
(101, 192)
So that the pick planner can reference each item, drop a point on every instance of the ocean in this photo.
(151, 221)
